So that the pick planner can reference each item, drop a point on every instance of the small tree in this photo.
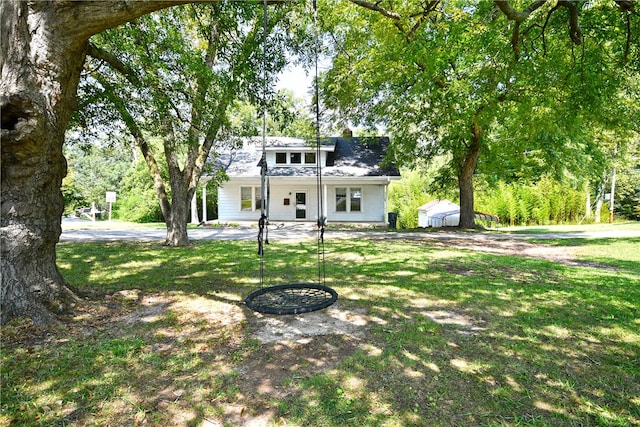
(174, 75)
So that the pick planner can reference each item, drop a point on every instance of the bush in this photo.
(137, 201)
(546, 202)
(138, 207)
(72, 193)
(406, 196)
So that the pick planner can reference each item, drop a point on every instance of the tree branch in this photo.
(518, 17)
(92, 17)
(626, 5)
(575, 32)
(513, 14)
(140, 141)
(544, 29)
(376, 8)
(128, 73)
(113, 61)
(420, 16)
(627, 45)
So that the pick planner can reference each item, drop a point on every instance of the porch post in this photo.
(326, 201)
(194, 210)
(204, 202)
(385, 219)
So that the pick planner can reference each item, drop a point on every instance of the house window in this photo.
(310, 158)
(281, 158)
(258, 200)
(296, 158)
(348, 199)
(341, 199)
(250, 199)
(245, 199)
(356, 199)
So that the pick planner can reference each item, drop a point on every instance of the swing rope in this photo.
(263, 223)
(297, 297)
(322, 220)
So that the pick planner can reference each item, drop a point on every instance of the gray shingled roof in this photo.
(351, 157)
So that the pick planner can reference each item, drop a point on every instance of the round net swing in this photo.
(293, 298)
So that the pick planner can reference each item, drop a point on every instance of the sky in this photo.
(295, 79)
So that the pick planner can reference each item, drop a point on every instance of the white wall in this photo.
(373, 201)
(229, 202)
(278, 211)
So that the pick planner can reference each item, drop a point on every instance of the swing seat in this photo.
(296, 297)
(292, 298)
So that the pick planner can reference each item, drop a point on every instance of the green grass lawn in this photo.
(447, 337)
(573, 228)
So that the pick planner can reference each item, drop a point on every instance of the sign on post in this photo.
(111, 198)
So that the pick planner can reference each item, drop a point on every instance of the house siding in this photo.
(229, 202)
(346, 163)
(278, 211)
(373, 202)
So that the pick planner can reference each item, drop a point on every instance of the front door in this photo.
(301, 205)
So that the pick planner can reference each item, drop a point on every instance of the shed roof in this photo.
(441, 209)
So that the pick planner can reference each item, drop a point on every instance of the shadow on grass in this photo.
(198, 269)
(452, 337)
(623, 254)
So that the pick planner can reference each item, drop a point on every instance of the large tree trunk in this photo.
(179, 217)
(37, 94)
(465, 178)
(41, 55)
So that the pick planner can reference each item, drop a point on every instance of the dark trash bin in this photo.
(393, 219)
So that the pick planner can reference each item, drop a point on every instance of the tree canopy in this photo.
(175, 75)
(456, 79)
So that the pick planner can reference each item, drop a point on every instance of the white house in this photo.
(354, 180)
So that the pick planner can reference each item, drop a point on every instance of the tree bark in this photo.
(37, 95)
(41, 55)
(465, 178)
(179, 217)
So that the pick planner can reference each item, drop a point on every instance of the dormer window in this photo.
(310, 158)
(295, 158)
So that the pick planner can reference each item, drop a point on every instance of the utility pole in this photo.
(613, 185)
(613, 189)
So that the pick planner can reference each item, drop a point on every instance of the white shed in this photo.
(443, 213)
(439, 213)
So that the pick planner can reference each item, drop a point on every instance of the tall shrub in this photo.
(137, 200)
(406, 196)
(546, 202)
